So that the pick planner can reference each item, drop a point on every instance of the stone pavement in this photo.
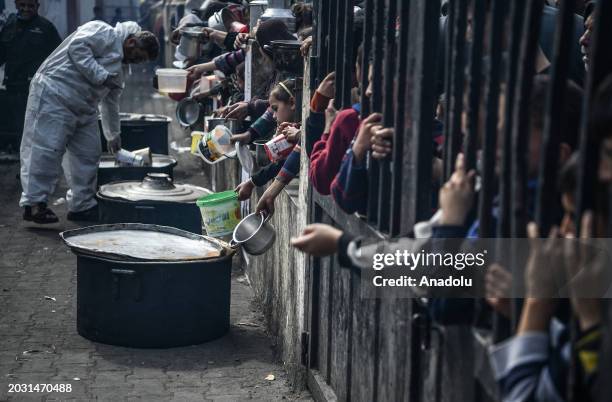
(38, 339)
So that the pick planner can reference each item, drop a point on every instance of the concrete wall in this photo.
(279, 277)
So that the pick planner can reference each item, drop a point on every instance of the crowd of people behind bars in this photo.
(535, 362)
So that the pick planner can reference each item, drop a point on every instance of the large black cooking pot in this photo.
(110, 171)
(152, 302)
(154, 200)
(141, 131)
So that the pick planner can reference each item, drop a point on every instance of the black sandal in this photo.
(42, 215)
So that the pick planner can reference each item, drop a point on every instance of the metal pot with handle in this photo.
(254, 234)
(232, 124)
(261, 157)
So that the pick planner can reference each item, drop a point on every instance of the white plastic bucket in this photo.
(172, 80)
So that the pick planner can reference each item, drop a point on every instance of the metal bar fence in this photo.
(402, 40)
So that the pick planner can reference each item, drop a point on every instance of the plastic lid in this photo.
(245, 157)
(217, 198)
(171, 71)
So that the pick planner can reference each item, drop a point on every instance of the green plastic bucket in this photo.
(220, 213)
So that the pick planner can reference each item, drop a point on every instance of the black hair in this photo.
(568, 176)
(294, 85)
(211, 9)
(588, 9)
(572, 112)
(600, 118)
(303, 15)
(149, 43)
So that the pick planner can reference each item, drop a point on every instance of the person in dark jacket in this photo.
(26, 41)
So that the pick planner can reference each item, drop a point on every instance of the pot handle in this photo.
(234, 244)
(266, 217)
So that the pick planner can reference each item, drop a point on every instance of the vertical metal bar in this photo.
(600, 66)
(399, 223)
(384, 199)
(521, 125)
(368, 32)
(331, 42)
(349, 66)
(474, 94)
(448, 82)
(454, 136)
(376, 101)
(489, 148)
(320, 39)
(503, 228)
(424, 84)
(339, 27)
(554, 119)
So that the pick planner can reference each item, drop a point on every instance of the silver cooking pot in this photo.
(189, 46)
(189, 112)
(254, 233)
(232, 124)
(261, 157)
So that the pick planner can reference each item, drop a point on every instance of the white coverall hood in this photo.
(125, 29)
(62, 113)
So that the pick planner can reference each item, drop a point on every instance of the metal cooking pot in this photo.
(280, 13)
(232, 124)
(141, 131)
(189, 46)
(254, 234)
(131, 291)
(154, 200)
(189, 112)
(256, 10)
(261, 157)
(287, 57)
(110, 171)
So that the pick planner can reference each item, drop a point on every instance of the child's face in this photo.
(370, 88)
(283, 111)
(605, 161)
(569, 210)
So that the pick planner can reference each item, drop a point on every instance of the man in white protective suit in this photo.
(83, 74)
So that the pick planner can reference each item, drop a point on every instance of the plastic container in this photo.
(172, 80)
(196, 139)
(216, 145)
(278, 148)
(127, 158)
(220, 213)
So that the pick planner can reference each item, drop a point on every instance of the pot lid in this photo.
(191, 32)
(286, 43)
(245, 157)
(142, 242)
(139, 118)
(108, 161)
(154, 187)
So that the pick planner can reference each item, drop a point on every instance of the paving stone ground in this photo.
(38, 338)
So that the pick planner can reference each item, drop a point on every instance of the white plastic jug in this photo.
(216, 146)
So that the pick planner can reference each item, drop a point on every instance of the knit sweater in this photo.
(328, 152)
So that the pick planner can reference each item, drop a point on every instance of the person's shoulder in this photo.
(348, 116)
(44, 23)
(7, 21)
